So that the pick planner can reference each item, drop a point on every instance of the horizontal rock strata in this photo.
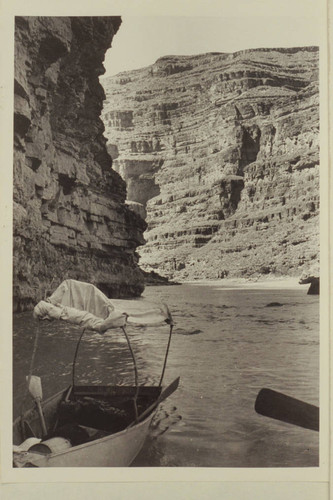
(222, 152)
(70, 216)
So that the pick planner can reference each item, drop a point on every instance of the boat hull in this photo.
(114, 450)
(117, 450)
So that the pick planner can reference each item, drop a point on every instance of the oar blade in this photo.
(164, 394)
(281, 407)
(35, 387)
(169, 390)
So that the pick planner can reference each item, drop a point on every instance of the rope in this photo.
(30, 372)
(166, 356)
(75, 356)
(135, 374)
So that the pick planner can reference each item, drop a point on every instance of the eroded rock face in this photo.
(70, 216)
(222, 151)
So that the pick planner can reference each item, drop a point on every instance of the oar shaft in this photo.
(279, 406)
(41, 416)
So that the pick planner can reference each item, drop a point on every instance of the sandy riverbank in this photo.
(261, 283)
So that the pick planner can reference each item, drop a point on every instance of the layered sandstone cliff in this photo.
(222, 153)
(70, 216)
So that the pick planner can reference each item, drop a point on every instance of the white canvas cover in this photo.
(85, 305)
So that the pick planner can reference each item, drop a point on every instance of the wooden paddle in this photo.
(164, 394)
(287, 409)
(35, 389)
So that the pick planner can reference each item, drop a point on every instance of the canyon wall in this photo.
(70, 216)
(220, 152)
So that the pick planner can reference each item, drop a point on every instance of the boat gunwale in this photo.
(43, 403)
(66, 392)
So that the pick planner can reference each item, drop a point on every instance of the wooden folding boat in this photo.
(108, 441)
(86, 425)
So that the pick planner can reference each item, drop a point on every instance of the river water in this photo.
(227, 345)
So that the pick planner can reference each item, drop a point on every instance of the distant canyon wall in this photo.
(220, 153)
(70, 216)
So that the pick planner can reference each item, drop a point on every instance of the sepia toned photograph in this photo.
(166, 243)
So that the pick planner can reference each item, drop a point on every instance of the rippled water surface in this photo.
(227, 345)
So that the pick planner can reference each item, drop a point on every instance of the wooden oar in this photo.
(287, 409)
(164, 394)
(35, 389)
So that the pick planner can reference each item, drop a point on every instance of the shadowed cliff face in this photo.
(70, 216)
(223, 152)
